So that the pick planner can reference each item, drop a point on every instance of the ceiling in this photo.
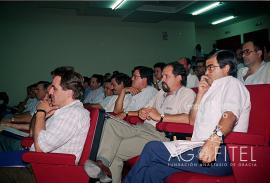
(154, 11)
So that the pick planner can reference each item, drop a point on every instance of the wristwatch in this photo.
(219, 133)
(161, 117)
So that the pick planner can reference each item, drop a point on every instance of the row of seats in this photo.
(62, 168)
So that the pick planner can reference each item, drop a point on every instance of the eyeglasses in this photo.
(135, 76)
(247, 52)
(211, 67)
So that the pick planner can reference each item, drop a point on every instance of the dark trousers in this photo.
(156, 164)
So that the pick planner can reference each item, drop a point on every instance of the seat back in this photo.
(91, 144)
(259, 120)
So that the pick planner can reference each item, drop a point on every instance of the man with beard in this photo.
(122, 141)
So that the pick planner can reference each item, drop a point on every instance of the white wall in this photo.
(33, 43)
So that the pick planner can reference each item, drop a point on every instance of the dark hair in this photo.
(226, 57)
(121, 77)
(86, 79)
(178, 69)
(160, 65)
(99, 78)
(45, 84)
(60, 70)
(257, 45)
(145, 72)
(70, 80)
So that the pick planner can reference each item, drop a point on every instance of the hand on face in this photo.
(204, 85)
(132, 90)
(47, 106)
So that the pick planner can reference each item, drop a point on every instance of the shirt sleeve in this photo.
(233, 99)
(187, 102)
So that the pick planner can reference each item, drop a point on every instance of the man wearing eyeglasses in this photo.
(256, 70)
(217, 110)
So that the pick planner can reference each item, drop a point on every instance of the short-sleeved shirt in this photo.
(136, 102)
(95, 96)
(261, 76)
(225, 94)
(31, 105)
(177, 103)
(192, 81)
(108, 103)
(66, 130)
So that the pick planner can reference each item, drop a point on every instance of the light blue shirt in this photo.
(95, 96)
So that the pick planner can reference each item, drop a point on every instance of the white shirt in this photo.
(177, 103)
(94, 96)
(136, 102)
(225, 94)
(66, 130)
(192, 81)
(261, 76)
(108, 103)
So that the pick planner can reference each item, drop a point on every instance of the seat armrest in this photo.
(27, 142)
(133, 120)
(245, 139)
(174, 127)
(49, 158)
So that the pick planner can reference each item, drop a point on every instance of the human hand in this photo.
(121, 115)
(204, 85)
(132, 90)
(154, 114)
(144, 113)
(210, 149)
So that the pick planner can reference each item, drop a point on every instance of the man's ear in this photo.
(70, 93)
(179, 78)
(259, 52)
(227, 68)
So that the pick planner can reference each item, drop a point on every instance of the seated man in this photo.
(192, 79)
(157, 80)
(118, 82)
(122, 141)
(257, 71)
(96, 93)
(17, 120)
(61, 125)
(217, 110)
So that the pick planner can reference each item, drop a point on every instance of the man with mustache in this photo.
(217, 110)
(124, 141)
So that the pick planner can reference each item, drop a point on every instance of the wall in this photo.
(34, 42)
(207, 36)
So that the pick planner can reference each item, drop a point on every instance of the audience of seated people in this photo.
(11, 142)
(60, 125)
(172, 103)
(139, 96)
(213, 115)
(117, 82)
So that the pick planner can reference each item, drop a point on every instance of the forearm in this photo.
(194, 109)
(93, 105)
(177, 118)
(22, 118)
(227, 122)
(39, 125)
(119, 103)
(20, 126)
(133, 113)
